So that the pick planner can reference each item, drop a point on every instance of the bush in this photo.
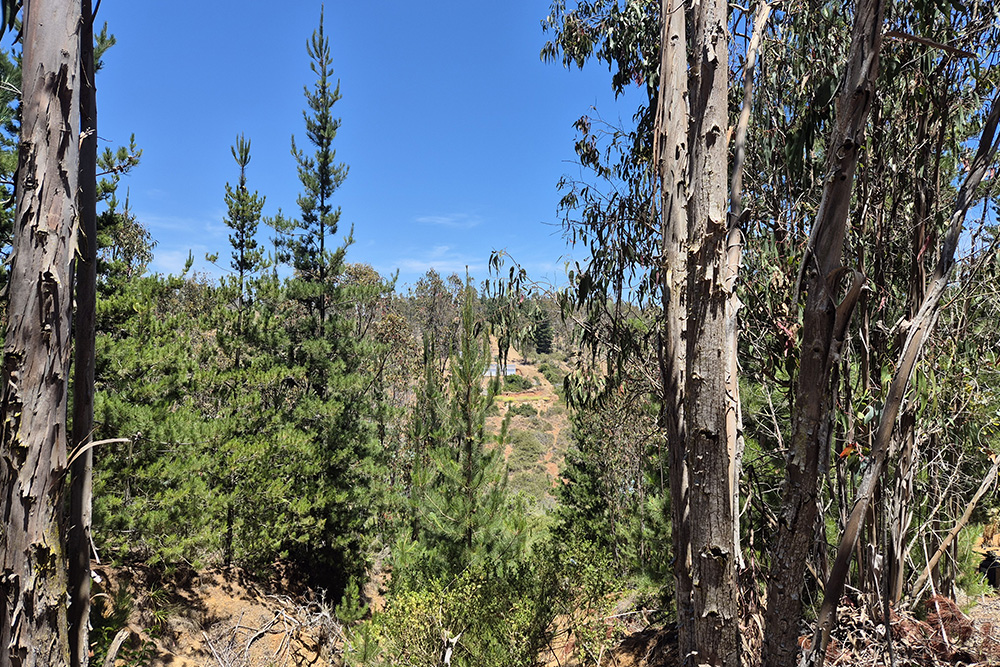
(522, 410)
(533, 481)
(517, 383)
(493, 615)
(540, 425)
(552, 374)
(526, 450)
(557, 409)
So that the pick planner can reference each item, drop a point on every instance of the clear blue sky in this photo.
(454, 130)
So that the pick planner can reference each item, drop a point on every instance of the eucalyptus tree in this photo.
(665, 241)
(824, 327)
(436, 303)
(81, 436)
(33, 625)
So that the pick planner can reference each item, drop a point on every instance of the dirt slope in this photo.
(207, 619)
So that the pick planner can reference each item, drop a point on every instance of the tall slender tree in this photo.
(33, 586)
(337, 407)
(247, 254)
(82, 465)
(692, 119)
(460, 497)
(247, 262)
(663, 242)
(315, 263)
(824, 328)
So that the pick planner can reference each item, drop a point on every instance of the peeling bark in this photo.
(824, 325)
(711, 436)
(696, 356)
(33, 578)
(671, 160)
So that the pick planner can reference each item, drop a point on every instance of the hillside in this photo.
(539, 431)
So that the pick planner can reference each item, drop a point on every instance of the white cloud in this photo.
(440, 251)
(442, 258)
(455, 220)
(211, 225)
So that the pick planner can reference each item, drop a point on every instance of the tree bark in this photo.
(33, 580)
(81, 469)
(699, 412)
(671, 160)
(733, 262)
(711, 417)
(823, 329)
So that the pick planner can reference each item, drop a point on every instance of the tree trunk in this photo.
(33, 624)
(81, 469)
(917, 333)
(671, 160)
(711, 418)
(733, 261)
(823, 328)
(697, 373)
(900, 513)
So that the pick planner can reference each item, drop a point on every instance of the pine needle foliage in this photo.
(463, 514)
(308, 240)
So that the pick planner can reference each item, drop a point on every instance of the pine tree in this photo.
(247, 255)
(428, 432)
(464, 507)
(336, 471)
(241, 426)
(316, 266)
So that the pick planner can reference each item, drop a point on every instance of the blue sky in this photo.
(454, 130)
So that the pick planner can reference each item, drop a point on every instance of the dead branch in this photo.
(116, 645)
(959, 525)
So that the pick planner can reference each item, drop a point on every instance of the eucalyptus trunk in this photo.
(710, 414)
(81, 468)
(672, 164)
(824, 326)
(918, 331)
(700, 412)
(33, 623)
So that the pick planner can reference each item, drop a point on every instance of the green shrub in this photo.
(522, 410)
(517, 383)
(552, 374)
(557, 409)
(970, 579)
(533, 481)
(495, 615)
(526, 450)
(538, 424)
